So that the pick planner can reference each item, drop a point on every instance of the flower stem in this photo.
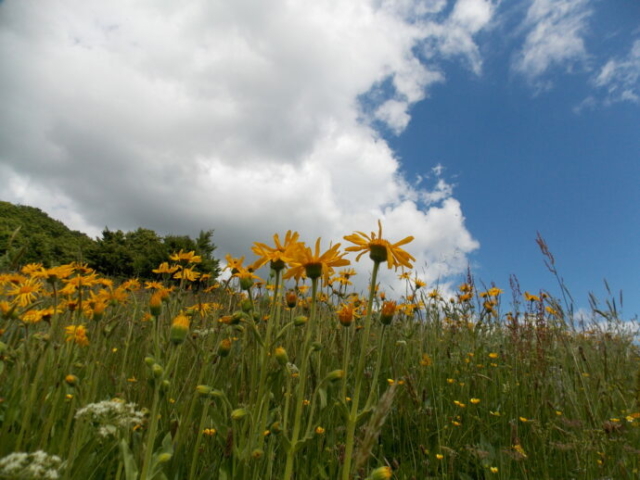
(353, 416)
(288, 471)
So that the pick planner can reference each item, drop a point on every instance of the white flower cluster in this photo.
(111, 415)
(30, 466)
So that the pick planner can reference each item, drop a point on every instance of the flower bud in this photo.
(71, 380)
(224, 348)
(291, 298)
(387, 312)
(203, 390)
(335, 375)
(382, 473)
(281, 356)
(300, 320)
(179, 329)
(239, 413)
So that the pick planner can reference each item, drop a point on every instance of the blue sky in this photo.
(469, 124)
(524, 161)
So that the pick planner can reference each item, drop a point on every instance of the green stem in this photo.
(288, 471)
(353, 416)
(148, 454)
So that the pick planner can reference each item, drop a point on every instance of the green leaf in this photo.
(130, 466)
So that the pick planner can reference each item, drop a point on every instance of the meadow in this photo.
(298, 376)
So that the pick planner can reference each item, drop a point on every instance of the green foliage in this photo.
(137, 253)
(28, 235)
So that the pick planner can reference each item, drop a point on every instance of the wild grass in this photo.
(194, 379)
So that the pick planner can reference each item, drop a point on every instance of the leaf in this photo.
(130, 466)
(323, 397)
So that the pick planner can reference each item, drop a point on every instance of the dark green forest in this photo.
(29, 235)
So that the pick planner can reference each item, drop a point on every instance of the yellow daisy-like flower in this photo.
(279, 255)
(26, 292)
(315, 265)
(381, 250)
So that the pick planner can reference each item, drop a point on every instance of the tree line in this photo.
(29, 235)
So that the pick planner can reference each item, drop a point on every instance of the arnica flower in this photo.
(279, 255)
(387, 312)
(281, 356)
(155, 304)
(381, 250)
(165, 268)
(77, 334)
(26, 292)
(382, 473)
(187, 274)
(179, 329)
(246, 277)
(315, 265)
(346, 315)
(188, 257)
(291, 299)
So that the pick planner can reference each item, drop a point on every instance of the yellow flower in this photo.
(313, 264)
(320, 430)
(26, 292)
(179, 328)
(77, 334)
(439, 456)
(381, 250)
(381, 473)
(531, 298)
(188, 257)
(279, 255)
(475, 401)
(187, 274)
(346, 315)
(165, 268)
(493, 469)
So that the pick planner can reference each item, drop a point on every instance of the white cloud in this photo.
(555, 36)
(239, 116)
(620, 77)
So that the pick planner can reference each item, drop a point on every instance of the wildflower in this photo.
(381, 473)
(36, 465)
(77, 334)
(246, 277)
(320, 430)
(381, 250)
(281, 356)
(188, 274)
(531, 298)
(493, 469)
(26, 292)
(110, 416)
(519, 450)
(188, 257)
(165, 268)
(427, 362)
(523, 419)
(291, 299)
(459, 404)
(179, 328)
(475, 401)
(313, 264)
(387, 312)
(233, 264)
(224, 348)
(439, 456)
(493, 355)
(71, 380)
(279, 255)
(346, 315)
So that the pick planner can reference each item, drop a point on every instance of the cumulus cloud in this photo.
(555, 37)
(246, 117)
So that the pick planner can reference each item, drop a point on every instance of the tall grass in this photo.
(257, 384)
